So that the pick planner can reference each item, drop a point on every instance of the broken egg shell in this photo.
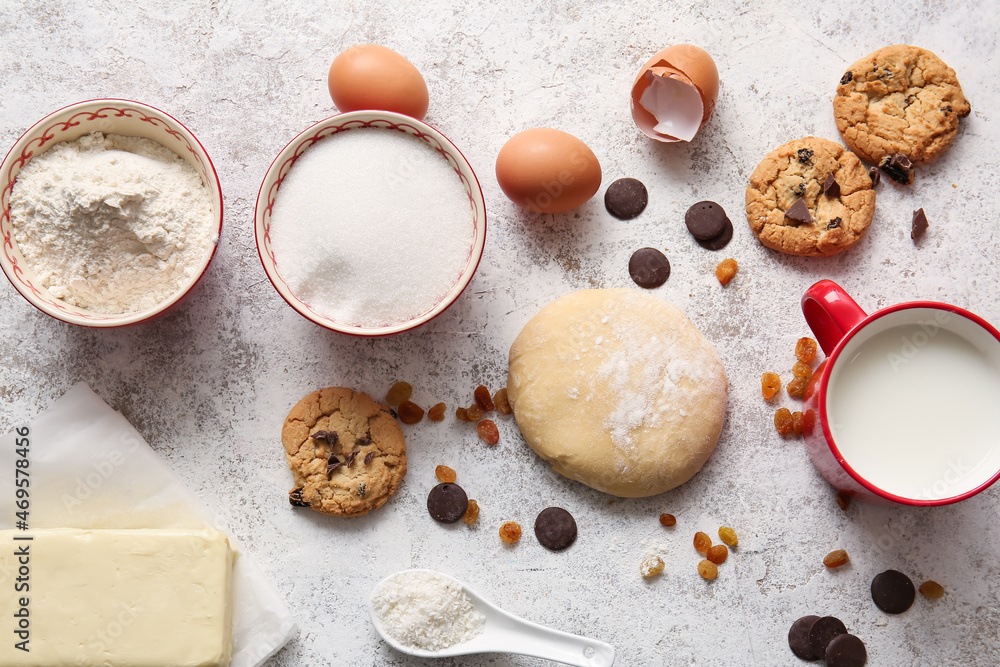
(685, 64)
(370, 76)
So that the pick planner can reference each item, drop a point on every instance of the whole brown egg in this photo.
(547, 171)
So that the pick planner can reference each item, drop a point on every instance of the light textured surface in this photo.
(209, 384)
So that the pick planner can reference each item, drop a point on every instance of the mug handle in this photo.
(831, 313)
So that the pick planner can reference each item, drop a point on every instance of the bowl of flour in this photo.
(370, 223)
(110, 213)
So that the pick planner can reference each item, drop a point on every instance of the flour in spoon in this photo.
(426, 610)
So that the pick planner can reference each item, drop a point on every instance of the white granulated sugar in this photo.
(371, 227)
(112, 224)
(426, 610)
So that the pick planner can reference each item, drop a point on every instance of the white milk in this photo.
(917, 412)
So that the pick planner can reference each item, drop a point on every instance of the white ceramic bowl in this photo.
(111, 117)
(270, 187)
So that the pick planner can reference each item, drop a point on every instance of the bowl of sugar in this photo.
(110, 213)
(370, 223)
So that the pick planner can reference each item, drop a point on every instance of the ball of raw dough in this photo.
(617, 389)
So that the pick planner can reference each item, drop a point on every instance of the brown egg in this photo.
(369, 76)
(675, 93)
(547, 171)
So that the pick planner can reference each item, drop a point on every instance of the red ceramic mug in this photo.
(906, 407)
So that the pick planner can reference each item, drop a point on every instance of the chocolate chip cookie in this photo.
(899, 99)
(346, 451)
(793, 205)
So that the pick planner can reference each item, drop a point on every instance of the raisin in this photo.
(399, 392)
(833, 224)
(708, 570)
(488, 432)
(651, 566)
(847, 78)
(510, 532)
(483, 400)
(770, 383)
(295, 498)
(725, 271)
(805, 350)
(931, 590)
(501, 401)
(797, 387)
(805, 156)
(445, 474)
(718, 554)
(471, 512)
(802, 370)
(783, 421)
(362, 489)
(410, 412)
(797, 423)
(843, 500)
(436, 412)
(461, 414)
(474, 413)
(702, 542)
(728, 535)
(808, 421)
(668, 520)
(836, 558)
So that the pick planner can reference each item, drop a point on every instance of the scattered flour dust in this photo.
(112, 224)
(426, 610)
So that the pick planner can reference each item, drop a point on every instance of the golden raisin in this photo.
(651, 566)
(483, 400)
(445, 474)
(802, 370)
(931, 590)
(836, 558)
(770, 383)
(728, 535)
(461, 415)
(501, 401)
(797, 387)
(702, 542)
(708, 570)
(726, 270)
(488, 432)
(797, 422)
(436, 413)
(805, 350)
(783, 421)
(510, 532)
(843, 500)
(668, 520)
(471, 512)
(399, 392)
(409, 412)
(718, 554)
(474, 413)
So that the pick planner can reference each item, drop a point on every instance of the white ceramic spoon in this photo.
(506, 633)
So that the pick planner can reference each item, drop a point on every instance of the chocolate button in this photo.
(893, 592)
(720, 241)
(798, 638)
(649, 267)
(447, 502)
(555, 528)
(706, 220)
(822, 632)
(846, 651)
(626, 198)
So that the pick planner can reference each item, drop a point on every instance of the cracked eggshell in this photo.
(675, 92)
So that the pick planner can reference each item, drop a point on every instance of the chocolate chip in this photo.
(875, 175)
(331, 464)
(555, 528)
(649, 267)
(805, 156)
(626, 198)
(846, 651)
(822, 632)
(706, 220)
(833, 224)
(447, 502)
(720, 241)
(830, 187)
(847, 78)
(368, 457)
(330, 436)
(897, 167)
(363, 441)
(350, 459)
(799, 212)
(919, 225)
(893, 592)
(295, 498)
(798, 638)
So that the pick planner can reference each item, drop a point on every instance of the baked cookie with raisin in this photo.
(810, 197)
(899, 100)
(346, 452)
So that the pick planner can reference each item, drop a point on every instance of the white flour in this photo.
(426, 610)
(112, 224)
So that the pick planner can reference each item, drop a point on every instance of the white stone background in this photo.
(209, 384)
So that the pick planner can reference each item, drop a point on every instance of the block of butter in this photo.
(115, 598)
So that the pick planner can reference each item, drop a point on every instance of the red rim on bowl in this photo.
(824, 414)
(111, 116)
(283, 163)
